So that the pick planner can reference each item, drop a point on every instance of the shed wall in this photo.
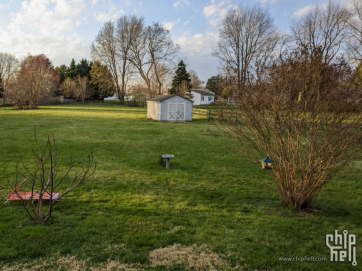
(164, 108)
(152, 110)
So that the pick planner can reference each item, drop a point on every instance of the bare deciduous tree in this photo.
(140, 57)
(82, 88)
(69, 87)
(162, 51)
(354, 42)
(322, 29)
(247, 36)
(105, 49)
(159, 81)
(36, 80)
(9, 65)
(195, 80)
(127, 30)
(130, 47)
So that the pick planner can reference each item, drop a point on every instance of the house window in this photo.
(202, 98)
(210, 98)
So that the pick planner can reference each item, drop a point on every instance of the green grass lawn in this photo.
(211, 200)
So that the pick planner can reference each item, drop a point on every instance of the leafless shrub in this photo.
(45, 181)
(304, 114)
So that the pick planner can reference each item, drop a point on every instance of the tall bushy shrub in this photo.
(306, 116)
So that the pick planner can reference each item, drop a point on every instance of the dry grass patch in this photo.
(194, 257)
(175, 229)
(70, 263)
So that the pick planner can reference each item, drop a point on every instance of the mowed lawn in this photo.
(211, 199)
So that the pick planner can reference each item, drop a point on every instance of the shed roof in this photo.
(203, 92)
(162, 98)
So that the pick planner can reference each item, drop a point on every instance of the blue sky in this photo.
(64, 29)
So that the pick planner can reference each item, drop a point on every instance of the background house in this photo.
(111, 98)
(203, 97)
(170, 108)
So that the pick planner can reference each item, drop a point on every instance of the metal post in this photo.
(167, 162)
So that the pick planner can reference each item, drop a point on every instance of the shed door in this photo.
(176, 111)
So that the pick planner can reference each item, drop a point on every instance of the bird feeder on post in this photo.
(266, 163)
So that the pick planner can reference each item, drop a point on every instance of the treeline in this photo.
(34, 80)
(86, 80)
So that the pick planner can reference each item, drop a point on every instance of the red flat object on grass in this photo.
(27, 195)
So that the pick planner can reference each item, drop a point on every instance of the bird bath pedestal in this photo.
(167, 156)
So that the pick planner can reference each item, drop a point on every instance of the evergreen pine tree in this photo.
(182, 78)
(102, 81)
(72, 70)
(83, 68)
(62, 71)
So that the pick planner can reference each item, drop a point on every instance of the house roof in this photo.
(162, 98)
(203, 92)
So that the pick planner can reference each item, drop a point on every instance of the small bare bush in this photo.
(44, 179)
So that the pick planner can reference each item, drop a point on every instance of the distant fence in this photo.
(217, 114)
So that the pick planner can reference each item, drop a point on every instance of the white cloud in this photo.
(197, 49)
(181, 2)
(128, 2)
(112, 15)
(37, 28)
(267, 1)
(198, 42)
(170, 25)
(54, 47)
(187, 22)
(8, 5)
(216, 12)
(68, 8)
(36, 14)
(303, 11)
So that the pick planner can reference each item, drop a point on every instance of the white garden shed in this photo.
(170, 108)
